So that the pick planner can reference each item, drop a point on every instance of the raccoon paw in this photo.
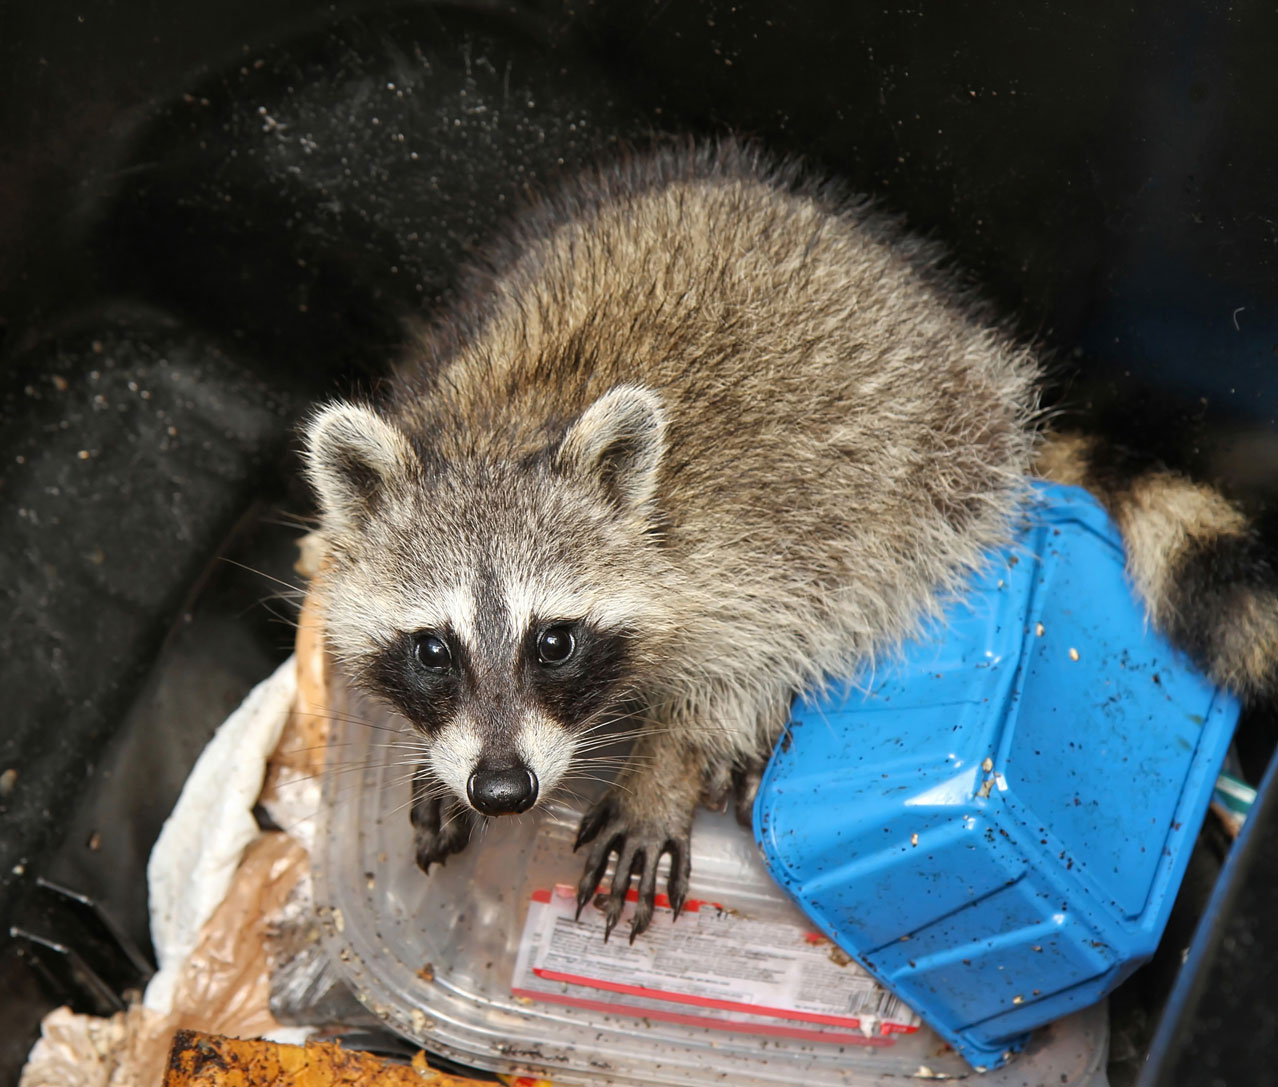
(441, 826)
(639, 845)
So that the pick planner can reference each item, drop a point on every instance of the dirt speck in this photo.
(838, 956)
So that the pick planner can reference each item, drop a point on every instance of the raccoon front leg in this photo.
(441, 824)
(644, 816)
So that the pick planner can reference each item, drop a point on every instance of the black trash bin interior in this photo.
(211, 217)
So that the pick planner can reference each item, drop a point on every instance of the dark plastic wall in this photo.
(229, 207)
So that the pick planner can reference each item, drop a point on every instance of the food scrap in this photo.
(212, 1060)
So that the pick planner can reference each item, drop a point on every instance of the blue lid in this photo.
(995, 822)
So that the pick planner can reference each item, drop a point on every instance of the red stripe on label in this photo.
(797, 1033)
(703, 1001)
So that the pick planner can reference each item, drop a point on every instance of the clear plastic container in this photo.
(435, 955)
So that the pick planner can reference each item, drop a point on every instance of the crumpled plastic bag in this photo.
(76, 1051)
(223, 987)
(217, 884)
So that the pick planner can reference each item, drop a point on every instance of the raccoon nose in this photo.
(502, 792)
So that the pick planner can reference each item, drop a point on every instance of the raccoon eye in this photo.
(555, 645)
(432, 653)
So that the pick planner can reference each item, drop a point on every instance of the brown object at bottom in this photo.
(212, 1060)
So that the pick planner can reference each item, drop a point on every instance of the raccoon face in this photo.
(504, 608)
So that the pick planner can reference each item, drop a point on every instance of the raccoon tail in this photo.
(1197, 561)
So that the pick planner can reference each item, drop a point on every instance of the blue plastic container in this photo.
(996, 823)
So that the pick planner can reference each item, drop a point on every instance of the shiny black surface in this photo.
(231, 206)
(1221, 1023)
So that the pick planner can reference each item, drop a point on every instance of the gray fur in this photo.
(736, 423)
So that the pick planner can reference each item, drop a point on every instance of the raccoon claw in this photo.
(605, 811)
(440, 828)
(638, 854)
(677, 884)
(596, 865)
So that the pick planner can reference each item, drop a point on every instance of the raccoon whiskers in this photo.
(410, 744)
(611, 764)
(458, 813)
(341, 776)
(293, 752)
(613, 711)
(286, 519)
(407, 778)
(608, 740)
(620, 785)
(349, 767)
(418, 796)
(574, 798)
(294, 591)
(436, 791)
(265, 602)
(342, 717)
(346, 719)
(411, 802)
(596, 762)
(643, 718)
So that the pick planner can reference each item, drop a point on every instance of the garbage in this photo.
(1232, 801)
(195, 858)
(205, 1060)
(482, 960)
(996, 824)
(221, 986)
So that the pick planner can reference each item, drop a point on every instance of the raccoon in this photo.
(702, 432)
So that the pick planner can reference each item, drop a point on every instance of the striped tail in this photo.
(1198, 562)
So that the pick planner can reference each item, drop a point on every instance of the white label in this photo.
(713, 968)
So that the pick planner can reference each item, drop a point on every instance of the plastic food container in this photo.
(482, 962)
(996, 823)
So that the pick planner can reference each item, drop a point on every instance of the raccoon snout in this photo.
(502, 792)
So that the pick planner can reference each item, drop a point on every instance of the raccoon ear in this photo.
(352, 456)
(618, 443)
